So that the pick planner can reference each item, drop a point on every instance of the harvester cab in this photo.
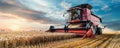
(81, 21)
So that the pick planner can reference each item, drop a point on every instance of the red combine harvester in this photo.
(81, 21)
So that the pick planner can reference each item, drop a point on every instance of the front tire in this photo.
(99, 31)
(66, 28)
(51, 28)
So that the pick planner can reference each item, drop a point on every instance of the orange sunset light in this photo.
(14, 27)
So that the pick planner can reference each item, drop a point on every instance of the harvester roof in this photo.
(84, 6)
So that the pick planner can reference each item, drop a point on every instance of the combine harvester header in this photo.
(81, 21)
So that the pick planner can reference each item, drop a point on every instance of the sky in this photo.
(39, 14)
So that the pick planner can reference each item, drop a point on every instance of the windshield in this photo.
(73, 14)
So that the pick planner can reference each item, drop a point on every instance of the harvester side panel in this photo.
(87, 15)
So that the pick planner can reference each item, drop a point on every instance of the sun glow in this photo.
(13, 22)
(14, 27)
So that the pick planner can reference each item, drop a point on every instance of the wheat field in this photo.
(57, 40)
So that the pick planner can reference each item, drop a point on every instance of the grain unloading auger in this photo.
(81, 21)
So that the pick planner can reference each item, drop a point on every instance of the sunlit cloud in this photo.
(65, 5)
(11, 15)
(16, 23)
(44, 6)
(20, 25)
(105, 8)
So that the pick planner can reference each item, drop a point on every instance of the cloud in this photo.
(41, 13)
(11, 20)
(105, 7)
(65, 5)
(11, 15)
(53, 14)
(25, 15)
(95, 10)
(21, 25)
(37, 5)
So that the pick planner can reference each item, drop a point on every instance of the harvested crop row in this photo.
(115, 42)
(97, 43)
(87, 43)
(103, 45)
(72, 44)
(15, 39)
(93, 41)
(75, 43)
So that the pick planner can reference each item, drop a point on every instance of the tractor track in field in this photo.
(90, 43)
(115, 42)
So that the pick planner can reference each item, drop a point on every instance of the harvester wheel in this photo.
(66, 28)
(51, 28)
(99, 31)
